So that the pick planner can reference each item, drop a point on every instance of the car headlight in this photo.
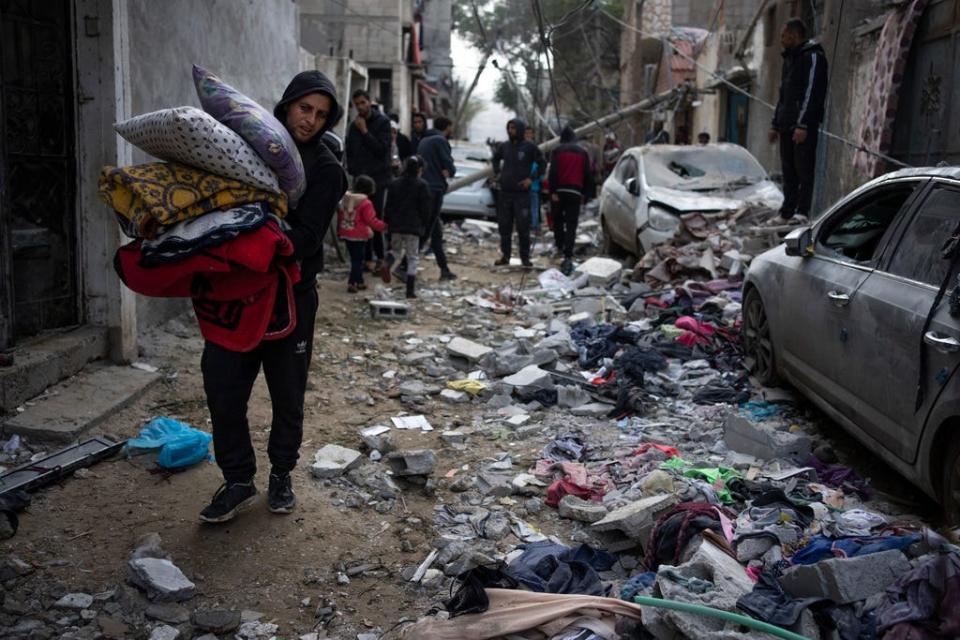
(660, 219)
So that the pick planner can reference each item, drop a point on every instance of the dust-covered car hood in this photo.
(713, 177)
(763, 193)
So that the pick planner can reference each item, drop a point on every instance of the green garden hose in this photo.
(737, 618)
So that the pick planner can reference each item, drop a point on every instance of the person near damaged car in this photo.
(571, 184)
(308, 109)
(368, 146)
(799, 112)
(513, 164)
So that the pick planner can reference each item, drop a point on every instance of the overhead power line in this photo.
(741, 90)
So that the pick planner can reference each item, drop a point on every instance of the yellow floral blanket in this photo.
(149, 197)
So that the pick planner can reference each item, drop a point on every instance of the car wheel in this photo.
(608, 246)
(951, 483)
(758, 348)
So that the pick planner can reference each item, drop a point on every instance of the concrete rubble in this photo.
(333, 460)
(609, 409)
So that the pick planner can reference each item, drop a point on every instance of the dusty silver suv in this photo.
(861, 312)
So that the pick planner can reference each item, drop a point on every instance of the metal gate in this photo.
(38, 274)
(927, 127)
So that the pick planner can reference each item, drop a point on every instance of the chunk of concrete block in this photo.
(572, 396)
(160, 579)
(75, 601)
(333, 461)
(753, 548)
(846, 580)
(216, 621)
(165, 632)
(455, 397)
(763, 440)
(378, 438)
(467, 349)
(413, 462)
(592, 410)
(581, 510)
(601, 272)
(532, 376)
(582, 318)
(631, 525)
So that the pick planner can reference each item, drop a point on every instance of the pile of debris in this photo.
(683, 481)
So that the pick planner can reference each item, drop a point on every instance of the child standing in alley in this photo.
(357, 220)
(408, 213)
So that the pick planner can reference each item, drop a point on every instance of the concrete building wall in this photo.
(370, 32)
(437, 27)
(252, 44)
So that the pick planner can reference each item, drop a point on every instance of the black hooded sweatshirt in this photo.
(803, 88)
(326, 181)
(516, 159)
(369, 153)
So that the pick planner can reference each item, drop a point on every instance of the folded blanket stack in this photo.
(207, 220)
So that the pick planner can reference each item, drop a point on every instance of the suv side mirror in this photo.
(799, 242)
(633, 186)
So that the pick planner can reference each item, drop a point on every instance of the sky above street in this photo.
(492, 121)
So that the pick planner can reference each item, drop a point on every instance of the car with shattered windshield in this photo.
(643, 201)
(860, 311)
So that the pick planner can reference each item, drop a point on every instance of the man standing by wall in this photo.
(419, 128)
(803, 89)
(434, 148)
(571, 182)
(513, 165)
(368, 153)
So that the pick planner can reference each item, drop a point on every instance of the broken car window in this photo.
(918, 254)
(854, 233)
(701, 168)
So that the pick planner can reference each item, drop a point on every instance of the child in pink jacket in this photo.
(356, 222)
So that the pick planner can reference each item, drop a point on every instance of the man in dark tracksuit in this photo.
(368, 154)
(571, 182)
(796, 121)
(438, 166)
(513, 163)
(308, 108)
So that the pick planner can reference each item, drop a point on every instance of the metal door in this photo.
(37, 205)
(737, 106)
(927, 126)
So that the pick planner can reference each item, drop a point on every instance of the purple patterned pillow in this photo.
(257, 126)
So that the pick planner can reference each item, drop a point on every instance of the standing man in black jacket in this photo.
(796, 121)
(438, 167)
(513, 164)
(419, 128)
(308, 108)
(368, 153)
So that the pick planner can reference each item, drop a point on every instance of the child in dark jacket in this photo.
(357, 220)
(408, 213)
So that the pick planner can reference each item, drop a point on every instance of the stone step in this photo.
(41, 362)
(77, 404)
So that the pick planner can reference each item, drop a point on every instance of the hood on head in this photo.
(350, 200)
(568, 134)
(307, 82)
(520, 124)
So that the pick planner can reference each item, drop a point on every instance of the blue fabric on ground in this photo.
(546, 567)
(823, 548)
(180, 445)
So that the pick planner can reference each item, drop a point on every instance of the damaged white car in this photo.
(652, 186)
